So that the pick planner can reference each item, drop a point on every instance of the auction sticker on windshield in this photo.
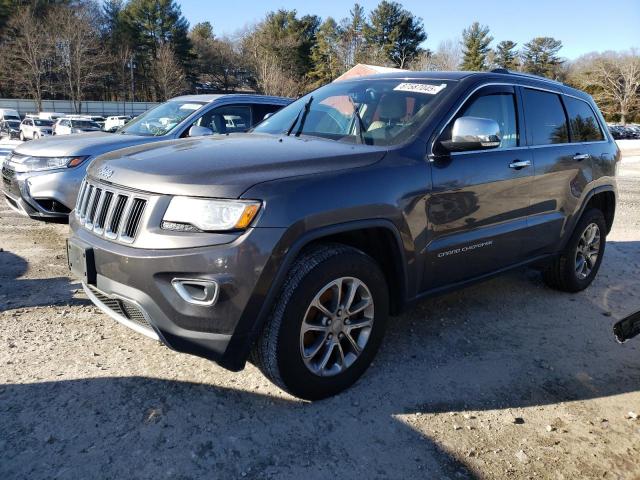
(190, 106)
(420, 88)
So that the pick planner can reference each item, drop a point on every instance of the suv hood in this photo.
(226, 166)
(91, 144)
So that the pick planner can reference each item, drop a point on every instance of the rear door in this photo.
(562, 170)
(480, 199)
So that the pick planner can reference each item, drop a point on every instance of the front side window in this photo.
(500, 107)
(229, 119)
(545, 117)
(582, 121)
(371, 112)
(161, 119)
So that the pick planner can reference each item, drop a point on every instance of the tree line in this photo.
(145, 50)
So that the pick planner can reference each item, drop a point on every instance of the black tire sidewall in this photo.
(293, 372)
(592, 216)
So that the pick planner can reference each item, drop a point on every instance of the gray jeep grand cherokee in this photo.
(292, 245)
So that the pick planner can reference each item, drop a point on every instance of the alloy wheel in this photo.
(336, 326)
(587, 251)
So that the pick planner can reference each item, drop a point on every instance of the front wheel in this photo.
(22, 136)
(578, 265)
(327, 325)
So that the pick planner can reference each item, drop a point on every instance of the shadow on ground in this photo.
(507, 343)
(19, 292)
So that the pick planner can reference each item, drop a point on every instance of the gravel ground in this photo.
(506, 379)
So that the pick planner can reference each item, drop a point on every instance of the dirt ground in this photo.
(506, 379)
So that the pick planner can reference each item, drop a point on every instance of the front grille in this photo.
(110, 212)
(123, 308)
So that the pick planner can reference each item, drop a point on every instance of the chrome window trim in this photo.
(515, 85)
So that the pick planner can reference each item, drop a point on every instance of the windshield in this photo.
(11, 117)
(42, 123)
(84, 124)
(389, 111)
(13, 123)
(161, 119)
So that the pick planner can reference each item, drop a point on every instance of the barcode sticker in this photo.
(420, 88)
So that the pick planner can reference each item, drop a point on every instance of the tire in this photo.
(278, 352)
(564, 273)
(22, 136)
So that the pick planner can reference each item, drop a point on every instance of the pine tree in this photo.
(506, 55)
(324, 54)
(395, 33)
(352, 40)
(540, 57)
(475, 46)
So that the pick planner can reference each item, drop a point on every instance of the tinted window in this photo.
(501, 108)
(545, 117)
(260, 111)
(582, 121)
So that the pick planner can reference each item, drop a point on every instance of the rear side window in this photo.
(545, 117)
(582, 121)
(501, 108)
(262, 110)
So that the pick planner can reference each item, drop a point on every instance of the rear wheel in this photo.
(578, 265)
(327, 325)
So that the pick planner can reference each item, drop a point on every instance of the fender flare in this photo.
(576, 218)
(257, 312)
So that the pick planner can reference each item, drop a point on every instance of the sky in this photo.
(582, 26)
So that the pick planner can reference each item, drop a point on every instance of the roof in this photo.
(242, 97)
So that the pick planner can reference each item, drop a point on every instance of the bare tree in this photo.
(447, 57)
(271, 77)
(613, 78)
(77, 48)
(169, 74)
(27, 53)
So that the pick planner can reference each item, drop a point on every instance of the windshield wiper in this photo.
(302, 116)
(358, 120)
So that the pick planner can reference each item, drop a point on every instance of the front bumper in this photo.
(134, 286)
(48, 194)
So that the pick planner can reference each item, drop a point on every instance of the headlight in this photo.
(193, 214)
(26, 163)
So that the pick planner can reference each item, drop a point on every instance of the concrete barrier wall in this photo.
(24, 106)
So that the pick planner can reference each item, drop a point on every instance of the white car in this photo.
(115, 122)
(66, 126)
(34, 128)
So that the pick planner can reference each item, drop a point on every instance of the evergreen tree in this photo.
(506, 56)
(324, 54)
(395, 33)
(540, 57)
(475, 47)
(352, 40)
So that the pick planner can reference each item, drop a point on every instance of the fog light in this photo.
(196, 291)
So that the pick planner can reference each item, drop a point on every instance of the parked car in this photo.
(33, 128)
(112, 123)
(67, 126)
(9, 128)
(9, 114)
(53, 116)
(292, 245)
(41, 179)
(624, 132)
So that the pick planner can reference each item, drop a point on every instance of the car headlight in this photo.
(26, 163)
(209, 215)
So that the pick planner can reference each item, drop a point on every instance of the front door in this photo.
(480, 199)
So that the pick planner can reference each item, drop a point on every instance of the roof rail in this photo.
(525, 75)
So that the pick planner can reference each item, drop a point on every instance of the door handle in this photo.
(518, 164)
(581, 156)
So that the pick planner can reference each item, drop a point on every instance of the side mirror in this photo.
(268, 115)
(198, 131)
(473, 133)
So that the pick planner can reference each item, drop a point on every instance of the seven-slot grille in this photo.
(110, 212)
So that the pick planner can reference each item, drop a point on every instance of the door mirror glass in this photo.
(198, 131)
(473, 133)
(268, 115)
